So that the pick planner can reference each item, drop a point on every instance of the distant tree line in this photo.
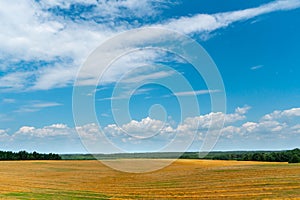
(23, 155)
(291, 156)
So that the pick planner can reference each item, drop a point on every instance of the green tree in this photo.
(294, 159)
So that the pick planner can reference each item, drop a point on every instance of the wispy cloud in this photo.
(127, 94)
(8, 101)
(210, 22)
(40, 27)
(45, 105)
(5, 118)
(257, 67)
(196, 92)
(143, 91)
(36, 106)
(153, 76)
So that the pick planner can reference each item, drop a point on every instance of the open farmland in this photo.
(189, 179)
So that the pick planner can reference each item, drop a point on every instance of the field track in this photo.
(184, 179)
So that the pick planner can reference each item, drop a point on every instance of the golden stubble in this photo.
(184, 179)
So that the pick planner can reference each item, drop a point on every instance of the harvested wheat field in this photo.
(184, 179)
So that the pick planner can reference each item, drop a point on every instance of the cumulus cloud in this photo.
(53, 138)
(278, 124)
(294, 112)
(154, 134)
(47, 131)
(3, 135)
(145, 128)
(296, 129)
(242, 110)
(150, 134)
(146, 133)
(89, 132)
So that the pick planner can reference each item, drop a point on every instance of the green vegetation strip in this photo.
(24, 155)
(291, 156)
(60, 195)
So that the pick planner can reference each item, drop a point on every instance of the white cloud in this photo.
(5, 118)
(15, 80)
(242, 110)
(3, 135)
(113, 9)
(89, 132)
(53, 138)
(257, 67)
(59, 75)
(265, 126)
(45, 105)
(145, 133)
(230, 131)
(293, 112)
(35, 106)
(208, 23)
(140, 129)
(149, 132)
(155, 133)
(296, 129)
(128, 85)
(278, 124)
(196, 92)
(249, 126)
(131, 67)
(47, 131)
(153, 76)
(211, 120)
(33, 33)
(8, 101)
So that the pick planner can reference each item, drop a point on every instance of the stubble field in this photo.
(184, 179)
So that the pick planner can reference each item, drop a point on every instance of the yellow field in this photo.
(189, 179)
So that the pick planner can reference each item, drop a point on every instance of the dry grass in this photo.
(184, 179)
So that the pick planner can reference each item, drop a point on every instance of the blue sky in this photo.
(254, 44)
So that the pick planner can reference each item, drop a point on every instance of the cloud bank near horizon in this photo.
(280, 127)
